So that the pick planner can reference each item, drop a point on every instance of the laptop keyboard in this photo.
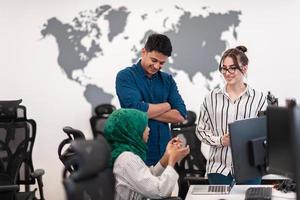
(210, 189)
(263, 193)
(217, 188)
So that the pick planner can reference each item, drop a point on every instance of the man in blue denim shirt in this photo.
(144, 87)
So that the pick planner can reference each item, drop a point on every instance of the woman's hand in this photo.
(225, 140)
(175, 151)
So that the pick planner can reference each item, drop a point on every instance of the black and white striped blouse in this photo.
(216, 112)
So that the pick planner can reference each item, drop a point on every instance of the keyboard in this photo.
(210, 189)
(217, 188)
(258, 193)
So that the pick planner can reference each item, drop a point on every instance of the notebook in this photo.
(212, 189)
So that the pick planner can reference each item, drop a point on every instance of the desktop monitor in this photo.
(295, 126)
(280, 138)
(247, 140)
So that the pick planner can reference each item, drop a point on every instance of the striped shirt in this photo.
(216, 112)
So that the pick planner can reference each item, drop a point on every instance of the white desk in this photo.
(238, 193)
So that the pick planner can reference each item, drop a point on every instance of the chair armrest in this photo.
(5, 188)
(37, 174)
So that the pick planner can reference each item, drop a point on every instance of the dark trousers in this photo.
(220, 179)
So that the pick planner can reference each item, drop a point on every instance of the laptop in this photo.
(212, 189)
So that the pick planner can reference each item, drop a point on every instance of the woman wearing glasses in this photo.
(236, 100)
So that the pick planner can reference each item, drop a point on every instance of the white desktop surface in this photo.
(238, 193)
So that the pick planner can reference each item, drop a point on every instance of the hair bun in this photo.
(242, 48)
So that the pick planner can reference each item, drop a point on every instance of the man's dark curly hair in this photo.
(160, 43)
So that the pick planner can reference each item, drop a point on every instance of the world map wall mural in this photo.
(196, 41)
(61, 57)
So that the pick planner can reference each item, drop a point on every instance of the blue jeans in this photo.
(220, 179)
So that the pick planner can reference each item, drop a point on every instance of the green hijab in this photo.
(124, 130)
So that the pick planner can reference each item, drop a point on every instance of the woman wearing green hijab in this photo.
(127, 132)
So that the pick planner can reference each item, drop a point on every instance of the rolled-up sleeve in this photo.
(204, 129)
(128, 93)
(175, 98)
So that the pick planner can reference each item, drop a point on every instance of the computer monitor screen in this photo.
(296, 133)
(247, 140)
(280, 139)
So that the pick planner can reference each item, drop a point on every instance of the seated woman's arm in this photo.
(131, 169)
(157, 170)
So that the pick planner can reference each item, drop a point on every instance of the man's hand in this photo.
(156, 110)
(171, 116)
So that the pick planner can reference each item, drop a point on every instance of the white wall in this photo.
(29, 68)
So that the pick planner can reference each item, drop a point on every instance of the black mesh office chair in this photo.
(97, 121)
(271, 101)
(65, 152)
(17, 135)
(93, 179)
(86, 173)
(192, 168)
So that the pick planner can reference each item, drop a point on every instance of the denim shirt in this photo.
(136, 90)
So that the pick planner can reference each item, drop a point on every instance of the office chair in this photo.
(192, 168)
(97, 121)
(17, 135)
(86, 173)
(65, 152)
(92, 179)
(271, 101)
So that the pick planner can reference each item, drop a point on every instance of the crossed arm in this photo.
(163, 112)
(170, 111)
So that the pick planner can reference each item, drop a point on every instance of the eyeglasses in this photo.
(231, 70)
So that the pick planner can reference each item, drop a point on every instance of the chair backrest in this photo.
(97, 121)
(194, 164)
(17, 135)
(271, 101)
(65, 152)
(93, 179)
